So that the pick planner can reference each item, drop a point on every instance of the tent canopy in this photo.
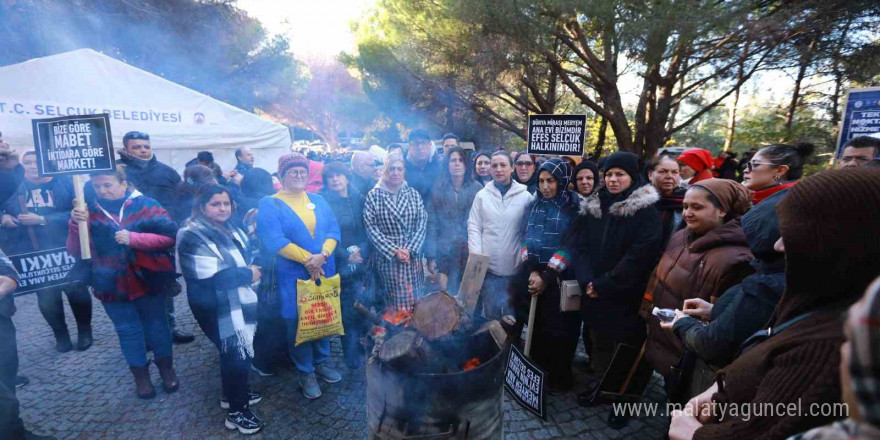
(180, 121)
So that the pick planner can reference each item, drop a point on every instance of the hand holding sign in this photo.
(79, 215)
(74, 145)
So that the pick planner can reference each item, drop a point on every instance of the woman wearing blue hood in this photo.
(546, 262)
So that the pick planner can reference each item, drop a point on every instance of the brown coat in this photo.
(703, 268)
(799, 366)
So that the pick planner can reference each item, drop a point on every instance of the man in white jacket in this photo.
(495, 230)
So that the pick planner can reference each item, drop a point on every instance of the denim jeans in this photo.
(353, 322)
(135, 320)
(307, 355)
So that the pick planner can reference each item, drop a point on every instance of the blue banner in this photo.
(861, 116)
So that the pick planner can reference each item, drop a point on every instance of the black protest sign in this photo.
(559, 135)
(73, 145)
(525, 382)
(42, 269)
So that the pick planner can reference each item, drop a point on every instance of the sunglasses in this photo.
(750, 165)
(137, 135)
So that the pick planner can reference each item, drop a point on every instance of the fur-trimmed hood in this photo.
(642, 197)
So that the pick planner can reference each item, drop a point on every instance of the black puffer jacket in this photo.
(621, 243)
(152, 178)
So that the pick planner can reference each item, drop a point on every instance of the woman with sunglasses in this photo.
(524, 167)
(301, 231)
(774, 169)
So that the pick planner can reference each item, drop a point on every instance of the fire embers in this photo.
(471, 364)
(399, 318)
(436, 337)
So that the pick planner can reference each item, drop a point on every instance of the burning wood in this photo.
(437, 315)
(471, 364)
(436, 337)
(398, 317)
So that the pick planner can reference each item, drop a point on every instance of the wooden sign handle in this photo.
(85, 250)
(532, 307)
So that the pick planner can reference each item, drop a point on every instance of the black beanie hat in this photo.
(624, 160)
(587, 165)
(829, 227)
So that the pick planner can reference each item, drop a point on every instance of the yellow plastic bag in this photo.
(318, 309)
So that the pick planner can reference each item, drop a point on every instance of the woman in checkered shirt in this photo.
(396, 223)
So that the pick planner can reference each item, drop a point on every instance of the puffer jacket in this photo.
(703, 267)
(494, 226)
(622, 245)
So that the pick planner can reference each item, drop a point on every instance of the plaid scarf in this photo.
(203, 251)
(549, 219)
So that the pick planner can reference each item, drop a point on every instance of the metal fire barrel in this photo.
(461, 405)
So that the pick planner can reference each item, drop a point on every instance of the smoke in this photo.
(211, 47)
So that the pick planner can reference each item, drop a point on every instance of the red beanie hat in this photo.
(697, 158)
(289, 161)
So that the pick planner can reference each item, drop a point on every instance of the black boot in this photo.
(62, 342)
(590, 397)
(181, 337)
(169, 376)
(143, 384)
(84, 340)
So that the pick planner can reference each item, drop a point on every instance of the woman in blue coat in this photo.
(301, 231)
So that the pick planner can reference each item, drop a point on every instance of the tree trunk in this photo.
(805, 60)
(600, 142)
(731, 116)
(838, 76)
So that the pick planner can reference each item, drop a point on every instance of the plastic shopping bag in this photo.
(318, 309)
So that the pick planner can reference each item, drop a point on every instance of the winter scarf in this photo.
(549, 219)
(203, 251)
(120, 273)
(761, 194)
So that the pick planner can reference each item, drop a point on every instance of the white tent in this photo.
(180, 121)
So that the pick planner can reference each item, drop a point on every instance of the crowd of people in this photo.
(730, 253)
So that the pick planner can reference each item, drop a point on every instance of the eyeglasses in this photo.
(294, 173)
(750, 165)
(524, 163)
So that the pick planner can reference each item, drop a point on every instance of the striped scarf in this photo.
(203, 251)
